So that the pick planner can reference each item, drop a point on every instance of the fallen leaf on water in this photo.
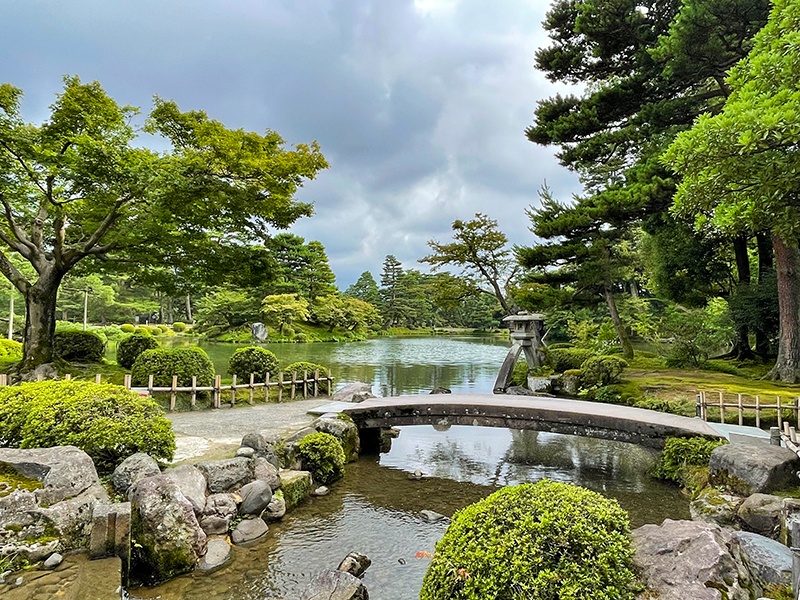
(423, 555)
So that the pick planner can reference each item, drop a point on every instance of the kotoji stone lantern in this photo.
(527, 331)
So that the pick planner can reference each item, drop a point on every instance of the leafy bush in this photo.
(299, 367)
(163, 363)
(132, 346)
(178, 327)
(82, 346)
(107, 422)
(560, 345)
(162, 328)
(535, 541)
(519, 376)
(563, 359)
(143, 330)
(323, 456)
(660, 405)
(155, 329)
(127, 328)
(697, 333)
(10, 349)
(602, 370)
(680, 453)
(301, 338)
(252, 360)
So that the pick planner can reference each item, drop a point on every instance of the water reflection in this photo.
(375, 508)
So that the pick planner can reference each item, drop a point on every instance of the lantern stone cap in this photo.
(524, 317)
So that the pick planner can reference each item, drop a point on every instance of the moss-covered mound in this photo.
(322, 454)
(80, 346)
(255, 360)
(543, 541)
(107, 422)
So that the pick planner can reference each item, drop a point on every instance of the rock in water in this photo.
(322, 490)
(249, 530)
(355, 563)
(256, 496)
(354, 392)
(164, 525)
(769, 562)
(746, 469)
(276, 508)
(259, 331)
(430, 516)
(335, 585)
(53, 561)
(218, 552)
(761, 513)
(712, 506)
(441, 390)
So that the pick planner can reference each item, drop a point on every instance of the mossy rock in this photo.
(296, 486)
(11, 480)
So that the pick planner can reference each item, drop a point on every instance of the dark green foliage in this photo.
(10, 349)
(127, 328)
(299, 367)
(560, 346)
(178, 327)
(519, 376)
(601, 370)
(80, 346)
(659, 405)
(540, 541)
(680, 453)
(142, 330)
(323, 456)
(252, 360)
(163, 363)
(107, 422)
(563, 359)
(132, 346)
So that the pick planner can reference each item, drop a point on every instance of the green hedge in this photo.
(163, 363)
(543, 541)
(132, 346)
(299, 367)
(143, 330)
(127, 328)
(602, 370)
(680, 453)
(81, 346)
(252, 360)
(10, 349)
(322, 454)
(178, 327)
(564, 359)
(107, 422)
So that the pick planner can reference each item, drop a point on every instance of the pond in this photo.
(375, 509)
(394, 366)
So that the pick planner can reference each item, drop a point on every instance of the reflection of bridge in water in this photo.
(558, 415)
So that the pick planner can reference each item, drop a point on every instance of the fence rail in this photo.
(719, 401)
(291, 387)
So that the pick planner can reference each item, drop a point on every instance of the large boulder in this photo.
(169, 538)
(256, 496)
(761, 513)
(355, 563)
(343, 429)
(266, 471)
(747, 469)
(63, 471)
(296, 486)
(335, 585)
(226, 475)
(289, 450)
(191, 483)
(276, 508)
(134, 468)
(219, 512)
(769, 562)
(689, 559)
(218, 552)
(261, 446)
(354, 392)
(249, 530)
(712, 506)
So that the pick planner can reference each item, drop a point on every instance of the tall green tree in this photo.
(391, 291)
(282, 309)
(76, 188)
(740, 166)
(365, 288)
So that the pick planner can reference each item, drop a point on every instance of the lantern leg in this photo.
(507, 369)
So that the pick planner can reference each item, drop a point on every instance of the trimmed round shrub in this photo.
(76, 345)
(563, 359)
(252, 360)
(10, 349)
(106, 421)
(560, 345)
(178, 326)
(127, 328)
(299, 367)
(163, 363)
(301, 338)
(602, 370)
(162, 328)
(143, 330)
(680, 453)
(322, 454)
(535, 541)
(132, 346)
(155, 329)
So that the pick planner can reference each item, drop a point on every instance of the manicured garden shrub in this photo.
(563, 359)
(155, 329)
(107, 422)
(162, 328)
(299, 367)
(680, 453)
(178, 327)
(560, 345)
(132, 346)
(301, 338)
(602, 370)
(127, 328)
(253, 360)
(143, 330)
(163, 363)
(76, 345)
(323, 456)
(10, 349)
(539, 541)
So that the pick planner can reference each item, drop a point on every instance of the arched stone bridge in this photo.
(558, 415)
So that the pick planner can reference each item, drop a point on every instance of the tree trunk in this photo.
(765, 269)
(624, 340)
(741, 345)
(40, 320)
(787, 256)
(189, 309)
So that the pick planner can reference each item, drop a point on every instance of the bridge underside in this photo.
(557, 415)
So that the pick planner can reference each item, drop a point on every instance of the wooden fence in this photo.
(289, 387)
(718, 400)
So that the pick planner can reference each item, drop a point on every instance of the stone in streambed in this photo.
(218, 552)
(761, 513)
(276, 508)
(226, 475)
(355, 563)
(335, 585)
(256, 496)
(746, 469)
(296, 486)
(249, 530)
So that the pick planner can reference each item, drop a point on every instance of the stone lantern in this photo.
(527, 331)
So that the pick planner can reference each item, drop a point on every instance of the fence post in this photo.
(703, 406)
(67, 377)
(721, 408)
(779, 413)
(98, 378)
(127, 381)
(774, 436)
(758, 412)
(194, 392)
(233, 392)
(741, 416)
(266, 389)
(149, 385)
(173, 395)
(294, 383)
(280, 387)
(252, 376)
(316, 383)
(217, 391)
(3, 380)
(305, 384)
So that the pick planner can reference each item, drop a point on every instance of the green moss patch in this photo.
(11, 480)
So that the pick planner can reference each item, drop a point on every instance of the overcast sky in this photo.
(420, 106)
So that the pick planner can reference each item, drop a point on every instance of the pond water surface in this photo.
(375, 509)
